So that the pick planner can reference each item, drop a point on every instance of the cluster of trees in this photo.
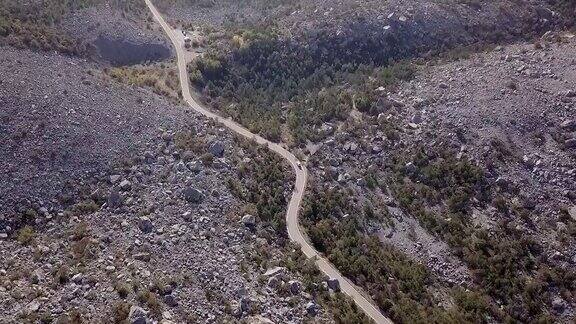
(400, 286)
(261, 185)
(266, 82)
(507, 262)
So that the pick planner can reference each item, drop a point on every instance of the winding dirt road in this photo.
(294, 231)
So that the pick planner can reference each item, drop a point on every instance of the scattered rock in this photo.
(333, 284)
(114, 178)
(558, 304)
(137, 315)
(411, 168)
(275, 272)
(216, 148)
(249, 220)
(114, 199)
(311, 308)
(125, 185)
(32, 307)
(142, 257)
(258, 319)
(145, 224)
(77, 278)
(417, 118)
(170, 300)
(193, 195)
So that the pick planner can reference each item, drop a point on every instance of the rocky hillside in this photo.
(118, 205)
(441, 167)
(264, 70)
(439, 137)
(68, 123)
(117, 32)
(468, 166)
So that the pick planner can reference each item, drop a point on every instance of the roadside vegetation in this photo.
(507, 261)
(286, 91)
(403, 289)
(160, 78)
(261, 185)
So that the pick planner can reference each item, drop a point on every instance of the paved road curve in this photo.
(294, 231)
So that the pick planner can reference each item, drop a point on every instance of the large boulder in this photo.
(333, 284)
(170, 300)
(247, 304)
(273, 282)
(114, 199)
(193, 195)
(311, 308)
(572, 212)
(249, 220)
(570, 143)
(568, 125)
(216, 148)
(145, 224)
(558, 304)
(137, 315)
(295, 286)
(125, 185)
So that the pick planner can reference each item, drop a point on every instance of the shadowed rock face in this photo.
(119, 52)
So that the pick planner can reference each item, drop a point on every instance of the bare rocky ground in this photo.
(115, 36)
(397, 29)
(105, 216)
(105, 19)
(517, 103)
(68, 123)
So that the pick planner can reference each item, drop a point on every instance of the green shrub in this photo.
(25, 235)
(122, 289)
(151, 301)
(207, 159)
(121, 312)
(189, 141)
